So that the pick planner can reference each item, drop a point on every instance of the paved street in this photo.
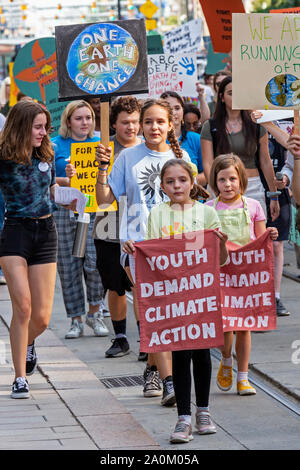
(72, 408)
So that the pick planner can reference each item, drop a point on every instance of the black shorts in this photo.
(282, 223)
(32, 239)
(112, 273)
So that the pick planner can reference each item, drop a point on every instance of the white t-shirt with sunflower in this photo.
(135, 181)
(164, 221)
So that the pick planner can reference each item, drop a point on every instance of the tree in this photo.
(264, 6)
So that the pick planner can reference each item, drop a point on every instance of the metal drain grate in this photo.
(124, 381)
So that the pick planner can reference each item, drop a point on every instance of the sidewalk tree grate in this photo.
(123, 381)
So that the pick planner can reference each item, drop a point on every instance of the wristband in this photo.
(274, 198)
(102, 169)
(102, 184)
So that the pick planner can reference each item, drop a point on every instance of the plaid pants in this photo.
(71, 270)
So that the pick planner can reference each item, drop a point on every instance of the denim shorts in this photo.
(32, 239)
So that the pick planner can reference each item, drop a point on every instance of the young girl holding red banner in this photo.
(183, 213)
(135, 176)
(243, 220)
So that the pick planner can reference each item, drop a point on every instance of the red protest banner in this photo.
(178, 292)
(218, 16)
(247, 287)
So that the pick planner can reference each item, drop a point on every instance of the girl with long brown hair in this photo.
(136, 176)
(28, 243)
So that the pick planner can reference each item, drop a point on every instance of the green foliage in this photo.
(172, 20)
(264, 6)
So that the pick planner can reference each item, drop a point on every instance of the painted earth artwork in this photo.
(283, 90)
(102, 58)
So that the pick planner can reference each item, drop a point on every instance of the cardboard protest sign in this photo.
(35, 71)
(215, 61)
(186, 38)
(102, 59)
(83, 158)
(218, 17)
(154, 44)
(247, 287)
(172, 72)
(35, 74)
(265, 61)
(178, 293)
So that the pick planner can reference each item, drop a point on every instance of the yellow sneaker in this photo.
(224, 377)
(244, 388)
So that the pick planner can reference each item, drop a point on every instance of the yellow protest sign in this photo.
(83, 158)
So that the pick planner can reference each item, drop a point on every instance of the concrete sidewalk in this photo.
(72, 409)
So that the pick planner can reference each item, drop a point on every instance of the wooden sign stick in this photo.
(104, 122)
(296, 122)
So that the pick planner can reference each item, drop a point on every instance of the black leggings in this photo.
(181, 363)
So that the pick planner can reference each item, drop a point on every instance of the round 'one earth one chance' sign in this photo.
(102, 58)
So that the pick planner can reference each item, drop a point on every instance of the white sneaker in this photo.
(96, 322)
(2, 280)
(75, 331)
(105, 312)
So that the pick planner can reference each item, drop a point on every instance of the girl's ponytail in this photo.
(198, 192)
(174, 144)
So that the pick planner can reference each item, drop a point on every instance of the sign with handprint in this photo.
(172, 72)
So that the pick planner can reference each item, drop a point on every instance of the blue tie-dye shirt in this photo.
(26, 188)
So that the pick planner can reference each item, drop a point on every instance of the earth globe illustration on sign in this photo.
(283, 90)
(102, 58)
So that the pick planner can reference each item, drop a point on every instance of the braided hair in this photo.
(174, 144)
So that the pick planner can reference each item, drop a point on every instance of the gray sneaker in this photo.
(204, 423)
(152, 387)
(168, 398)
(182, 432)
(97, 324)
(75, 331)
(281, 310)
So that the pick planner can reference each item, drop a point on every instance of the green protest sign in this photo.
(35, 73)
